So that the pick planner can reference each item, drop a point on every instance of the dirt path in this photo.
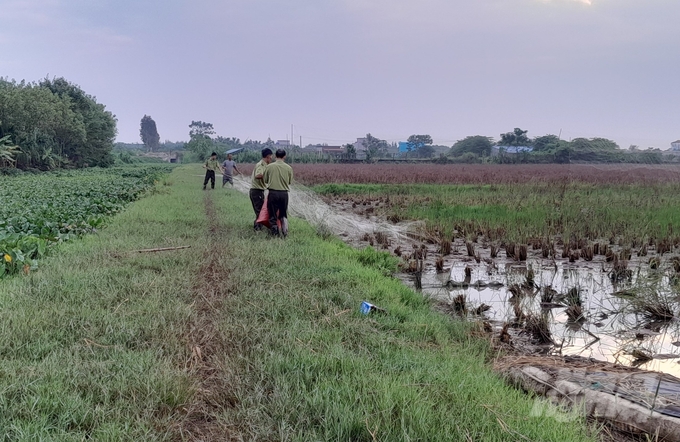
(207, 347)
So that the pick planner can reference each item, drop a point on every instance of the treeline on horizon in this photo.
(517, 147)
(512, 147)
(53, 124)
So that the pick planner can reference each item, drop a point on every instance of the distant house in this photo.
(324, 149)
(675, 145)
(360, 145)
(312, 148)
(404, 146)
(282, 143)
(334, 151)
(165, 156)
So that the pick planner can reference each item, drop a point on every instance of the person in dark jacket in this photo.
(278, 177)
(211, 166)
(257, 186)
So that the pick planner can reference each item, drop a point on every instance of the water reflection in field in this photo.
(622, 320)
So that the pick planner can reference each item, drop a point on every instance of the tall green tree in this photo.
(149, 133)
(375, 147)
(39, 122)
(476, 144)
(201, 129)
(99, 124)
(517, 137)
(253, 145)
(416, 141)
(228, 143)
(546, 143)
(350, 150)
(595, 149)
(594, 144)
(421, 145)
(55, 123)
(200, 143)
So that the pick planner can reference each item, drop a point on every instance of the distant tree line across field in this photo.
(53, 124)
(517, 147)
(512, 147)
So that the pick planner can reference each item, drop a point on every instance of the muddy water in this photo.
(611, 328)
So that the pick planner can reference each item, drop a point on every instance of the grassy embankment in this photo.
(633, 213)
(97, 343)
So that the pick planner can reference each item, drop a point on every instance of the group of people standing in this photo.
(276, 176)
(227, 168)
(269, 174)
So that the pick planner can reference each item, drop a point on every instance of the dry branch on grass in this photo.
(162, 249)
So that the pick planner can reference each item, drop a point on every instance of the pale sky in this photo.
(338, 69)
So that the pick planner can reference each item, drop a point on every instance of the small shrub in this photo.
(382, 261)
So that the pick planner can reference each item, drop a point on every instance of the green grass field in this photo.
(630, 213)
(240, 337)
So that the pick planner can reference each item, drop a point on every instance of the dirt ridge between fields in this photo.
(207, 347)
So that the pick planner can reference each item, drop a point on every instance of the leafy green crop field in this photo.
(38, 211)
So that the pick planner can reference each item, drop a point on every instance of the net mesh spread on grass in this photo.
(306, 204)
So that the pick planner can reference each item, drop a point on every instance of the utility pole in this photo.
(291, 136)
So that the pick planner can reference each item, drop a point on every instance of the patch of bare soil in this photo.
(206, 347)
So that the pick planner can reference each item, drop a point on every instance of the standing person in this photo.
(211, 166)
(278, 177)
(228, 166)
(257, 186)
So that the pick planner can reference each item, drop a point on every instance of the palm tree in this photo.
(7, 152)
(51, 159)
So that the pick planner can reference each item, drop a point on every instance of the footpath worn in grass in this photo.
(94, 344)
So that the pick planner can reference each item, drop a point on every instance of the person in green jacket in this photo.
(211, 166)
(278, 177)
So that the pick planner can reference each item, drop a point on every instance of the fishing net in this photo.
(306, 204)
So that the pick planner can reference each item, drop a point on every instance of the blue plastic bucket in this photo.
(366, 307)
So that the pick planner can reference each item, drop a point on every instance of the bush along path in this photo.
(240, 337)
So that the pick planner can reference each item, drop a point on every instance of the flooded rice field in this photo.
(592, 309)
(596, 300)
